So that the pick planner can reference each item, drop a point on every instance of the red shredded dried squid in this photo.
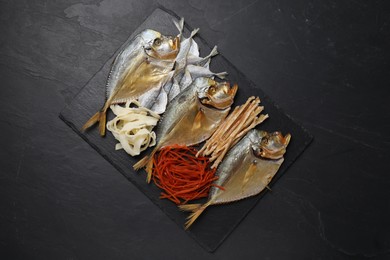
(181, 175)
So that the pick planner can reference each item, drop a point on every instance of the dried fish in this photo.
(247, 170)
(145, 63)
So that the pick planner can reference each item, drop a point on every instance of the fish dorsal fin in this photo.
(194, 50)
(180, 26)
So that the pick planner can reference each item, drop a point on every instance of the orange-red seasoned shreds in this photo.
(181, 175)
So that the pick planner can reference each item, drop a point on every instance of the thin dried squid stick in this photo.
(225, 131)
(234, 127)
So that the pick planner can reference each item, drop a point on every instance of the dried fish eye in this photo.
(157, 42)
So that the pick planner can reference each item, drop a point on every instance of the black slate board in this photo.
(217, 222)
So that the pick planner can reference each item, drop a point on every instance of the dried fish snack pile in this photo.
(156, 74)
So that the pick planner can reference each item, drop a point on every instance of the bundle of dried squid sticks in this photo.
(234, 127)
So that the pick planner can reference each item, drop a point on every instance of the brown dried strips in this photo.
(232, 129)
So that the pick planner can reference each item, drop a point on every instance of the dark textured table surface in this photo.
(325, 63)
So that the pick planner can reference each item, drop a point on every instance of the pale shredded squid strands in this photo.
(235, 126)
(132, 127)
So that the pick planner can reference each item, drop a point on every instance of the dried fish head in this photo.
(148, 36)
(162, 47)
(271, 145)
(220, 95)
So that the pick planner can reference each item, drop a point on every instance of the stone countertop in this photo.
(324, 63)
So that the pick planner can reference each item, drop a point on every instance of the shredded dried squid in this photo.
(132, 127)
(233, 128)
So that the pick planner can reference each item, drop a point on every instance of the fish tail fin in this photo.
(214, 51)
(195, 31)
(179, 24)
(196, 210)
(141, 163)
(100, 117)
(221, 75)
(102, 123)
(146, 162)
(93, 120)
(149, 169)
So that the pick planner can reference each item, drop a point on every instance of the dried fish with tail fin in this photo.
(188, 120)
(247, 170)
(144, 64)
